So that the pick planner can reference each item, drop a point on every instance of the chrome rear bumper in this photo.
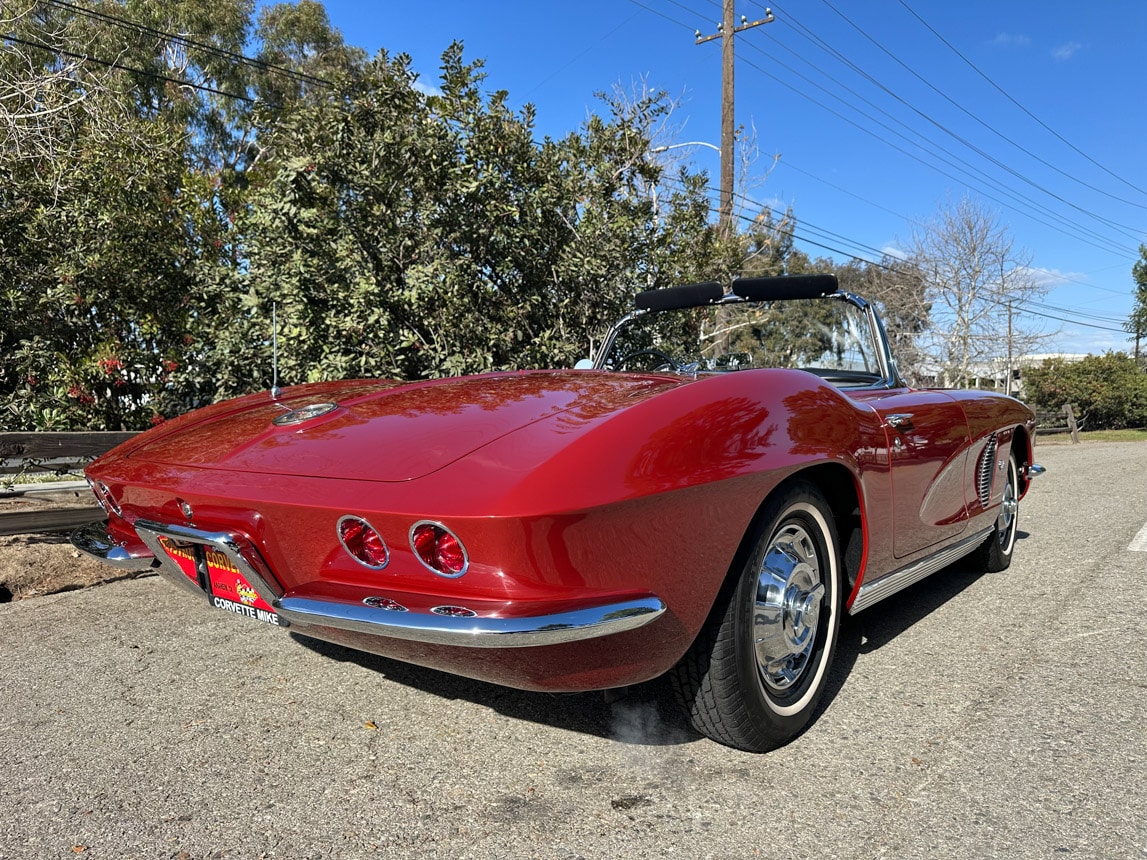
(94, 540)
(474, 631)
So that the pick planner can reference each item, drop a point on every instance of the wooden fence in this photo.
(1062, 421)
(50, 506)
(54, 450)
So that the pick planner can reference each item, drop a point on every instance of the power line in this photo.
(1008, 96)
(223, 53)
(1073, 227)
(663, 15)
(786, 163)
(1098, 240)
(823, 231)
(691, 11)
(121, 67)
(1063, 277)
(858, 244)
(1000, 186)
(539, 83)
(927, 118)
(762, 206)
(977, 119)
(1028, 305)
(1077, 312)
(1109, 247)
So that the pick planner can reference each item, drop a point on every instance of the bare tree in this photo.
(898, 288)
(978, 285)
(52, 103)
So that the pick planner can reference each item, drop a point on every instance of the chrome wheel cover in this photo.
(1009, 508)
(787, 608)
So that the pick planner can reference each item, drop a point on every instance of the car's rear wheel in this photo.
(755, 675)
(995, 553)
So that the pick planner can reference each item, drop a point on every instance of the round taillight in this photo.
(439, 549)
(363, 543)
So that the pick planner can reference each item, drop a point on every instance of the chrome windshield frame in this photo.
(890, 377)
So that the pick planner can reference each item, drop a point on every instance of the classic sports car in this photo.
(732, 473)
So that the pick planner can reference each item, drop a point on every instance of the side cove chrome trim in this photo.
(986, 469)
(886, 586)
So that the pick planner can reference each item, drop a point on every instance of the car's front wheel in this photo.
(995, 553)
(753, 678)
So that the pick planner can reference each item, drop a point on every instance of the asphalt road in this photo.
(970, 716)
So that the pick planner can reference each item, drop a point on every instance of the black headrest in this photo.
(686, 296)
(785, 287)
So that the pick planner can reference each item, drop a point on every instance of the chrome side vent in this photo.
(986, 469)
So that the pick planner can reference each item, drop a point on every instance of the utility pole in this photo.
(726, 30)
(1011, 357)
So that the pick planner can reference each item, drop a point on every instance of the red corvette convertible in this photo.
(732, 473)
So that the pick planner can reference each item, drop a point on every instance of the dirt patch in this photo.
(32, 565)
(37, 564)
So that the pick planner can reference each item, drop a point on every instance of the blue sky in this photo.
(1036, 107)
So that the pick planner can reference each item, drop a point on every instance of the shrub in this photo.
(1110, 389)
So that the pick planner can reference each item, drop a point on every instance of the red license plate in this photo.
(227, 588)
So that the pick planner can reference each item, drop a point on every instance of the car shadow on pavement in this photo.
(644, 714)
(648, 714)
(877, 626)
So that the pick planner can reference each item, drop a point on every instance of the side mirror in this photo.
(584, 364)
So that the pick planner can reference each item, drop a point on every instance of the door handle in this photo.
(900, 420)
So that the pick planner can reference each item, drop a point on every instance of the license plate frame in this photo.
(220, 580)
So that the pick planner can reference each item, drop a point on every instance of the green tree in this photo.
(152, 214)
(123, 160)
(898, 288)
(98, 244)
(768, 245)
(409, 235)
(1136, 324)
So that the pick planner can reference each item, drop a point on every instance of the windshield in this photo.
(829, 337)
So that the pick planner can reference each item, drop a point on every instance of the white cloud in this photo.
(1051, 278)
(1078, 341)
(1066, 51)
(426, 90)
(894, 252)
(1011, 40)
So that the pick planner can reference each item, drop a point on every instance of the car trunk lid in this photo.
(387, 431)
